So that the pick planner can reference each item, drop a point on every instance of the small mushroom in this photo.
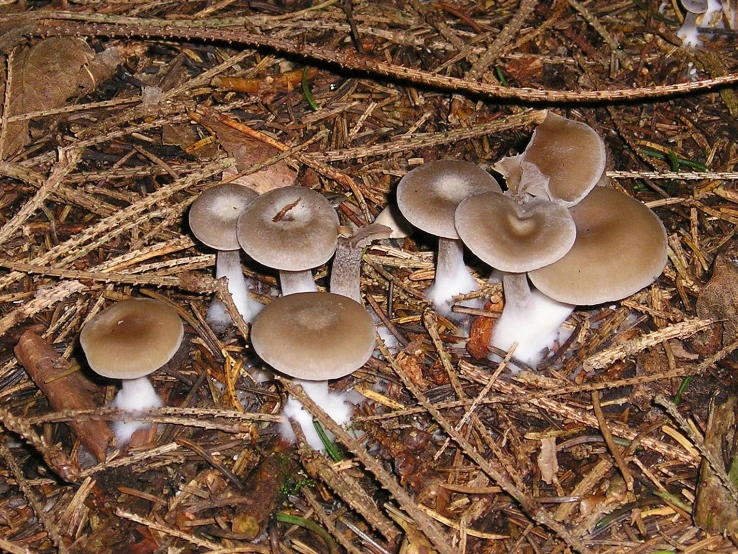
(391, 217)
(314, 336)
(563, 161)
(291, 229)
(128, 341)
(212, 218)
(516, 238)
(428, 197)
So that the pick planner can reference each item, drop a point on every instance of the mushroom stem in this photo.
(335, 404)
(452, 277)
(134, 395)
(530, 318)
(346, 270)
(296, 281)
(228, 264)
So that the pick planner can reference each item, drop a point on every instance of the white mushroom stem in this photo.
(529, 318)
(228, 264)
(335, 404)
(293, 282)
(452, 276)
(135, 395)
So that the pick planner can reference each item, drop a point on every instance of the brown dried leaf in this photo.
(45, 75)
(249, 152)
(719, 299)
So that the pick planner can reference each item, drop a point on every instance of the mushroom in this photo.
(700, 13)
(428, 196)
(515, 238)
(563, 162)
(291, 229)
(391, 217)
(128, 341)
(314, 336)
(212, 218)
(620, 248)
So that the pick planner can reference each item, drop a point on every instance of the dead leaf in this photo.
(248, 152)
(719, 299)
(48, 73)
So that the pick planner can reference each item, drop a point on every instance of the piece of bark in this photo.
(715, 511)
(718, 301)
(65, 390)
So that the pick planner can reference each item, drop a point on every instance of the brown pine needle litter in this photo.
(116, 116)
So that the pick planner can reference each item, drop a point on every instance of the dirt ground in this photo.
(117, 115)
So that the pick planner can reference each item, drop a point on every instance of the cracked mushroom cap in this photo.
(514, 237)
(620, 248)
(131, 338)
(213, 216)
(289, 228)
(429, 194)
(563, 161)
(314, 335)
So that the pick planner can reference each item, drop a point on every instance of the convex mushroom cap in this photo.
(620, 248)
(429, 194)
(214, 214)
(563, 162)
(514, 237)
(314, 335)
(132, 338)
(289, 228)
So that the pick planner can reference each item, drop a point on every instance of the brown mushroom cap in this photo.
(563, 161)
(620, 248)
(514, 237)
(429, 194)
(214, 214)
(289, 228)
(131, 338)
(314, 335)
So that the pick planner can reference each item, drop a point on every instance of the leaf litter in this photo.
(115, 119)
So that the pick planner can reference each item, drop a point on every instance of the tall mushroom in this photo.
(128, 341)
(212, 218)
(291, 229)
(515, 238)
(314, 337)
(428, 196)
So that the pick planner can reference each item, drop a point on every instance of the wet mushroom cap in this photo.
(429, 194)
(569, 154)
(514, 237)
(314, 335)
(131, 338)
(620, 248)
(213, 216)
(289, 228)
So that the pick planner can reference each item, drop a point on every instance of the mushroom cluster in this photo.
(578, 243)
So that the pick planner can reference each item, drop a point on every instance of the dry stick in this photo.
(14, 548)
(614, 450)
(186, 281)
(529, 504)
(67, 162)
(131, 26)
(327, 521)
(425, 524)
(604, 33)
(518, 394)
(616, 352)
(41, 514)
(64, 389)
(116, 223)
(495, 49)
(6, 101)
(699, 442)
(161, 528)
(686, 175)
